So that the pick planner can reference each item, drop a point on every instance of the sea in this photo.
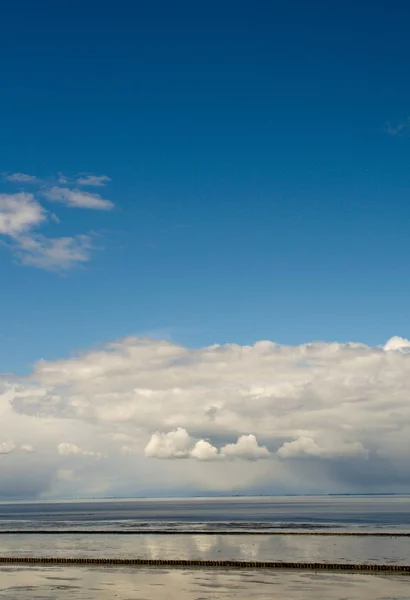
(242, 529)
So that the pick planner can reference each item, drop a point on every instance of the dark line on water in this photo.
(235, 564)
(199, 532)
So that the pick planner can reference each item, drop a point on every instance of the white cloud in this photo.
(179, 444)
(328, 417)
(7, 447)
(203, 450)
(27, 448)
(93, 180)
(175, 444)
(246, 448)
(77, 198)
(67, 449)
(397, 343)
(19, 213)
(20, 178)
(305, 446)
(54, 254)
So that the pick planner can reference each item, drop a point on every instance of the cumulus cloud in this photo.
(246, 448)
(397, 343)
(179, 444)
(306, 446)
(19, 213)
(77, 198)
(67, 449)
(174, 444)
(203, 450)
(93, 180)
(324, 416)
(20, 178)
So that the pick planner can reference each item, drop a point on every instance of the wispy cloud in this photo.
(22, 214)
(399, 129)
(53, 254)
(61, 178)
(27, 448)
(93, 180)
(19, 178)
(77, 198)
(67, 449)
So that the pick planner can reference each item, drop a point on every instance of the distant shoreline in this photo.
(208, 498)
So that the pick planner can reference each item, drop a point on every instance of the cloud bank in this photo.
(163, 418)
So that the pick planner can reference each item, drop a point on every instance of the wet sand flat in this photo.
(212, 547)
(74, 583)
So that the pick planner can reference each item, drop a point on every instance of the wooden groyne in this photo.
(207, 564)
(281, 532)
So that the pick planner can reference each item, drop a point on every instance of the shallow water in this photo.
(159, 584)
(213, 516)
(212, 547)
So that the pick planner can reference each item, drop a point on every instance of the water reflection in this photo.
(249, 547)
(154, 584)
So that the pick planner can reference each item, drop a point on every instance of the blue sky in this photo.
(257, 192)
(197, 174)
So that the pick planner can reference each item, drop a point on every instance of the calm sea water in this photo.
(215, 514)
(210, 523)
